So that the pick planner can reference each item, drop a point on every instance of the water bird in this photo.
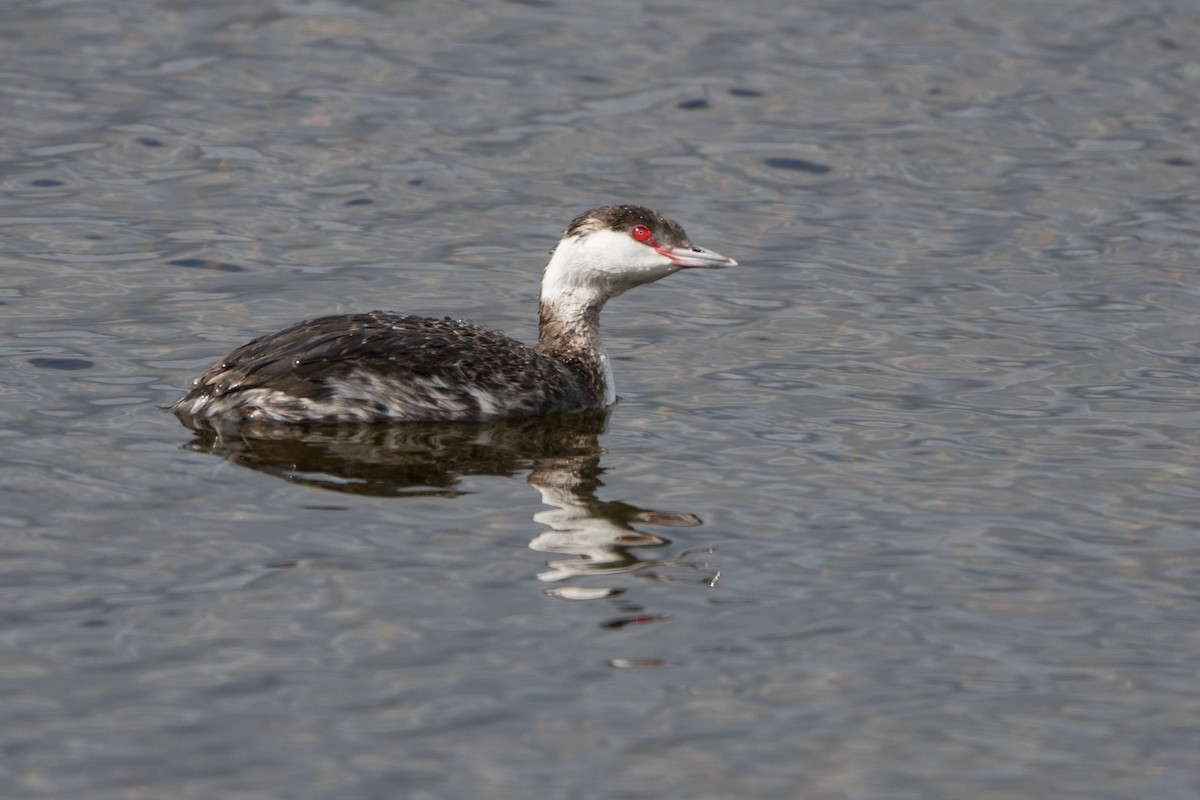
(381, 366)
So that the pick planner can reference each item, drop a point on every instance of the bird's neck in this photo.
(569, 332)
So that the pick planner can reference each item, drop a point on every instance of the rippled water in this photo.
(904, 506)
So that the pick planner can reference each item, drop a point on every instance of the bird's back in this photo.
(377, 366)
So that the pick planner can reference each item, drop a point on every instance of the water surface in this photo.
(904, 506)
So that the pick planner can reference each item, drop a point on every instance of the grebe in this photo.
(381, 366)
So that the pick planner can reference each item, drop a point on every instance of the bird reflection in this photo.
(599, 533)
(561, 455)
(416, 458)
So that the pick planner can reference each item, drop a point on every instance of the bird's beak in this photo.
(695, 258)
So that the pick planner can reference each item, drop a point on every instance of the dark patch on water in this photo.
(798, 165)
(640, 619)
(204, 263)
(61, 363)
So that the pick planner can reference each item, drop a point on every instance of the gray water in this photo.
(904, 506)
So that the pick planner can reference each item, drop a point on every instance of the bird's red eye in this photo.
(641, 233)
